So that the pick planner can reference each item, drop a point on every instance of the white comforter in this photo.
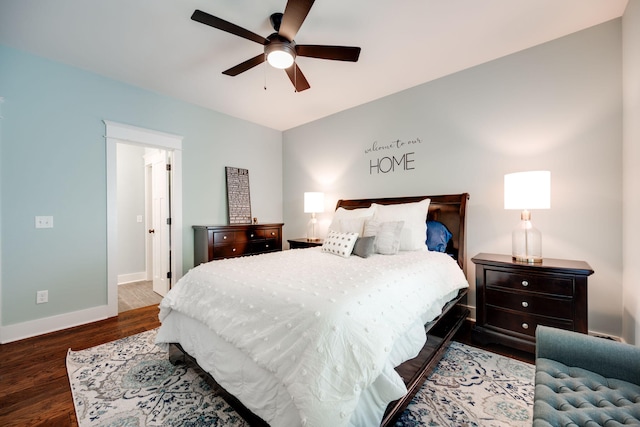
(323, 325)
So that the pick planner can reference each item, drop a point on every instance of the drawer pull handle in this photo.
(525, 283)
(224, 237)
(267, 246)
(525, 304)
(252, 235)
(525, 326)
(273, 233)
(233, 250)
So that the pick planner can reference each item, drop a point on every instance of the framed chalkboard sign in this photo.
(238, 197)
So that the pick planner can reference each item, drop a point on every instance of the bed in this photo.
(305, 337)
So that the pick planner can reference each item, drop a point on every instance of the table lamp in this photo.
(313, 203)
(527, 191)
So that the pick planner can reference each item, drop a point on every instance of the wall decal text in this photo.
(392, 162)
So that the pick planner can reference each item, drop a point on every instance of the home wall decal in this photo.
(387, 160)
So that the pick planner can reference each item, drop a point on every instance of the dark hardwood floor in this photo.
(464, 336)
(34, 387)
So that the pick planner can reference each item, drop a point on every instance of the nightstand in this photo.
(303, 243)
(513, 298)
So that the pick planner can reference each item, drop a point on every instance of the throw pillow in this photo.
(364, 246)
(340, 244)
(388, 234)
(414, 216)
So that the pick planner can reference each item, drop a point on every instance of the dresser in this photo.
(513, 298)
(212, 242)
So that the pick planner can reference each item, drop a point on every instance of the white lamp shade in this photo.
(313, 202)
(527, 190)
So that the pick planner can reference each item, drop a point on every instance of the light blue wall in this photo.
(53, 163)
(557, 106)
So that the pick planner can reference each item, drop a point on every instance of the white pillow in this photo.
(350, 220)
(355, 225)
(414, 215)
(387, 241)
(340, 244)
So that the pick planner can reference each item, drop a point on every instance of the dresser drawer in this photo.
(224, 237)
(522, 323)
(270, 233)
(531, 282)
(248, 235)
(531, 303)
(229, 251)
(266, 245)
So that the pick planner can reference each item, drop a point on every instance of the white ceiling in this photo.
(155, 45)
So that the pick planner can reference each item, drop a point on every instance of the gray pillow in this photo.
(364, 246)
(387, 234)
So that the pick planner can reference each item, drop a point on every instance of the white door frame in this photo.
(118, 132)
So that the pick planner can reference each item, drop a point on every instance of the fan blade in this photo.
(297, 78)
(294, 15)
(246, 65)
(223, 25)
(337, 53)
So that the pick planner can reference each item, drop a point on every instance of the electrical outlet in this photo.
(42, 297)
(44, 222)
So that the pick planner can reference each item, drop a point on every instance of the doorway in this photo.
(163, 222)
(144, 252)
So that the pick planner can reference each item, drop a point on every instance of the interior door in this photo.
(161, 230)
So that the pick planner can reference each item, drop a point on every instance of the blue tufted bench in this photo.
(585, 381)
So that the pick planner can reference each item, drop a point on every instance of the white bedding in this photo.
(322, 327)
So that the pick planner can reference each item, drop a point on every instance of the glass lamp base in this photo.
(527, 243)
(311, 229)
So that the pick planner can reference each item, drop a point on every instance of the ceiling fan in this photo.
(280, 50)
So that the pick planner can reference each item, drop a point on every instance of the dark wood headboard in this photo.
(449, 209)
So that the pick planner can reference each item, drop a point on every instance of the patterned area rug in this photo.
(130, 382)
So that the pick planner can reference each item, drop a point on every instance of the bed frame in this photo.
(451, 211)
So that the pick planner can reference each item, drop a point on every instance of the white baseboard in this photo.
(132, 277)
(36, 327)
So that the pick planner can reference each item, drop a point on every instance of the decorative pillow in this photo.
(344, 220)
(340, 244)
(355, 225)
(364, 246)
(387, 235)
(438, 236)
(414, 216)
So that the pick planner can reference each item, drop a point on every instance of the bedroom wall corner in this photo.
(631, 172)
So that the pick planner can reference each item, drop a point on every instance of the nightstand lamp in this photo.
(313, 204)
(526, 191)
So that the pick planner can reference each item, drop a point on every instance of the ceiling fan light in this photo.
(280, 59)
(280, 54)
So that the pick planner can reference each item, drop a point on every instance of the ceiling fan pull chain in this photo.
(264, 68)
